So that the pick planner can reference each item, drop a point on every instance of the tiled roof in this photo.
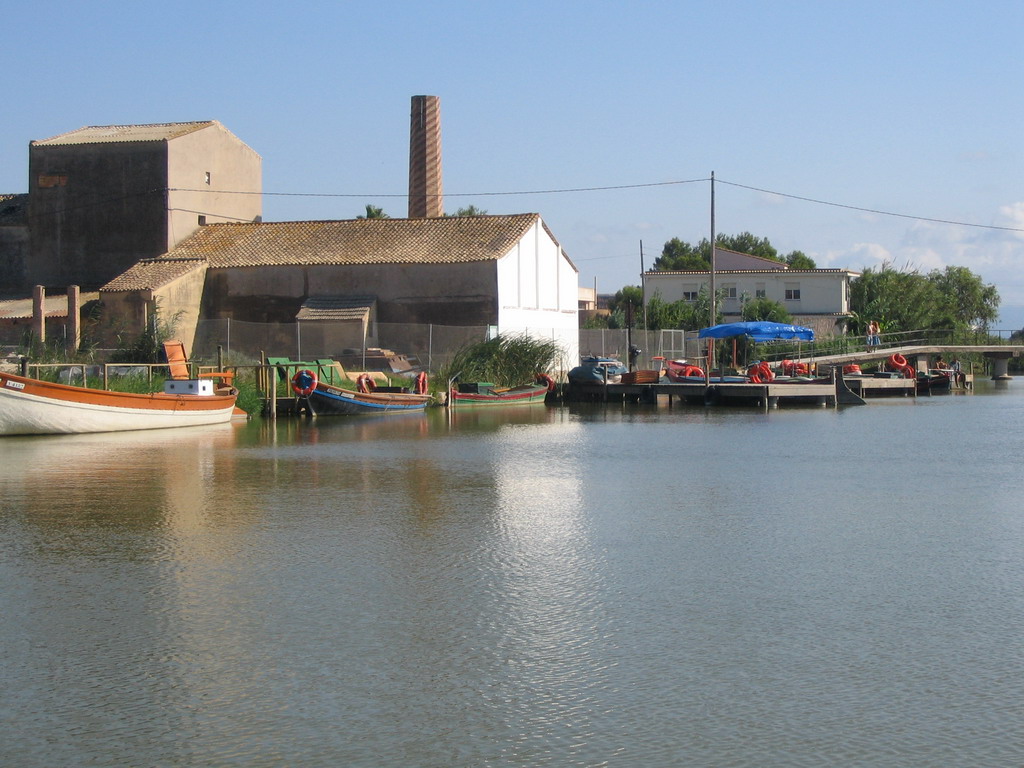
(150, 274)
(105, 134)
(335, 308)
(448, 240)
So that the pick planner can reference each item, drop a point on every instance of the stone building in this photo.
(103, 197)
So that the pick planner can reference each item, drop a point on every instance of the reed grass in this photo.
(506, 360)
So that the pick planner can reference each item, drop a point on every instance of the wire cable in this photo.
(870, 210)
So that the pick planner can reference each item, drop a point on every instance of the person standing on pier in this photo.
(873, 339)
(958, 373)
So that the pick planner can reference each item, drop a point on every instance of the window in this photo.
(49, 181)
(729, 289)
(792, 291)
(759, 291)
(202, 220)
(207, 178)
(690, 292)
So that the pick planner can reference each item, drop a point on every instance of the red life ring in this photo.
(420, 387)
(692, 370)
(851, 368)
(365, 384)
(909, 372)
(897, 361)
(543, 378)
(303, 383)
(761, 373)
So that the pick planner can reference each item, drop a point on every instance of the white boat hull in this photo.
(32, 407)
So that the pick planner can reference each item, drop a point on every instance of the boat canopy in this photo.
(761, 330)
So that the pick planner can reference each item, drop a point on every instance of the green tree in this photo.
(800, 260)
(663, 315)
(905, 300)
(631, 295)
(469, 210)
(966, 301)
(745, 242)
(900, 300)
(680, 256)
(373, 212)
(765, 309)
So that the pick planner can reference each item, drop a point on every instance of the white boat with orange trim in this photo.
(35, 407)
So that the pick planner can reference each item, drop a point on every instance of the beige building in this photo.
(103, 197)
(507, 272)
(816, 298)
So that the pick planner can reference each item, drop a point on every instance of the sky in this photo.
(859, 133)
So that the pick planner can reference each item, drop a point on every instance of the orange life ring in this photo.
(543, 378)
(897, 361)
(851, 368)
(767, 374)
(304, 382)
(909, 372)
(754, 372)
(420, 387)
(365, 384)
(693, 370)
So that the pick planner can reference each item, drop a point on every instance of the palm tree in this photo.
(469, 210)
(373, 212)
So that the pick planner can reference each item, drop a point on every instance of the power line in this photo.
(452, 194)
(872, 210)
(566, 190)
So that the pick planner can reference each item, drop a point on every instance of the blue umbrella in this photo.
(760, 330)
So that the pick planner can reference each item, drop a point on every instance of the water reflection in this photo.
(537, 586)
(164, 477)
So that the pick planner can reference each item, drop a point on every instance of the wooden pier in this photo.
(844, 391)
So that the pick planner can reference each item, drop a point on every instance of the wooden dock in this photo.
(765, 395)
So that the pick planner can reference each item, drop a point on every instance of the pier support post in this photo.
(39, 313)
(1000, 364)
(74, 326)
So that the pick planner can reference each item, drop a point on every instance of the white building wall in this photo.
(537, 293)
(821, 292)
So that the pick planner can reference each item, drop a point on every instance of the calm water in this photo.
(543, 587)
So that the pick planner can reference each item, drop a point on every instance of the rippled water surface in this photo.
(583, 586)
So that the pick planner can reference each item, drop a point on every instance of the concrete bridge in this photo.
(921, 356)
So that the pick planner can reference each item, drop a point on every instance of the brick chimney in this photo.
(425, 191)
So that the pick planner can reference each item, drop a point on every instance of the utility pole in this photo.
(714, 313)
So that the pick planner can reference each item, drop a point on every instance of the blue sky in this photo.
(909, 108)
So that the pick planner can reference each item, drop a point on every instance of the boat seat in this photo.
(180, 368)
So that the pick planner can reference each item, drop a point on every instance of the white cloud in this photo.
(864, 255)
(1014, 215)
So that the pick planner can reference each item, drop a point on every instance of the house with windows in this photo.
(816, 298)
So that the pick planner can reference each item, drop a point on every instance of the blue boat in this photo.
(597, 370)
(326, 400)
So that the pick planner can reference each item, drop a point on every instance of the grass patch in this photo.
(505, 360)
